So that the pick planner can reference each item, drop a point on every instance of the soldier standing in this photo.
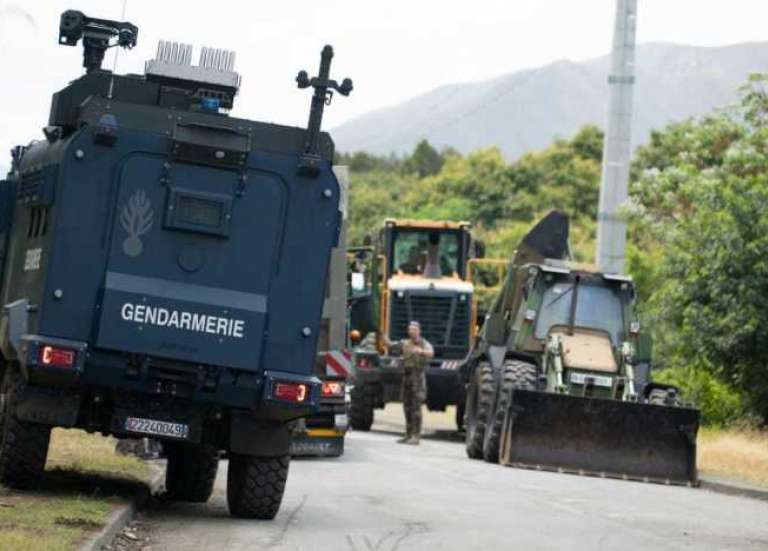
(415, 353)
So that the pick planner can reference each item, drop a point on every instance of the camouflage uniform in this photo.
(414, 386)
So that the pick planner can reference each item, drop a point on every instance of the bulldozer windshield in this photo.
(598, 307)
(426, 252)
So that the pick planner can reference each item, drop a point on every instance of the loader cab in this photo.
(425, 279)
(429, 252)
(571, 300)
(597, 306)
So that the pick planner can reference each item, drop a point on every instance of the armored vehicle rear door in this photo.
(193, 253)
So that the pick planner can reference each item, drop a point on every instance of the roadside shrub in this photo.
(720, 404)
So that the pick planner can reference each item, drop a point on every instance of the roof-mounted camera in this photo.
(97, 35)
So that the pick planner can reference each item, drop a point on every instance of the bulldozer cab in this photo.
(584, 301)
(571, 303)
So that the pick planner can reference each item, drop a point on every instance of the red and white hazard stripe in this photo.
(452, 365)
(338, 363)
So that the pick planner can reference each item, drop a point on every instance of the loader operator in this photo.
(415, 353)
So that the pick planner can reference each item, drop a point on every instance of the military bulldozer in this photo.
(163, 270)
(418, 271)
(559, 377)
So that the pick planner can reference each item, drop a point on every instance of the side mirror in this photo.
(479, 248)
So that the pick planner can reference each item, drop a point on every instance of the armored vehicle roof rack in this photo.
(213, 79)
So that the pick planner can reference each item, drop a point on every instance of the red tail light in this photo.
(291, 392)
(333, 388)
(57, 357)
(363, 362)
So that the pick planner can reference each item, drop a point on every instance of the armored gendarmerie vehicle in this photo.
(164, 268)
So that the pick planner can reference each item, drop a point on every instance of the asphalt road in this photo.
(382, 496)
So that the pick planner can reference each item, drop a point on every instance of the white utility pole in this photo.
(611, 229)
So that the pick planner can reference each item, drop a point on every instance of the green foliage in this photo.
(719, 403)
(425, 160)
(501, 199)
(702, 192)
(697, 242)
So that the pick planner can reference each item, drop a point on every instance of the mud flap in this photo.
(601, 437)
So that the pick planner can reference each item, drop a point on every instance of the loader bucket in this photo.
(601, 437)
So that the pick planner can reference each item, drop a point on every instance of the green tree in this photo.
(699, 250)
(424, 161)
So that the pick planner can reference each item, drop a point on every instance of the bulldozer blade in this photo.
(601, 437)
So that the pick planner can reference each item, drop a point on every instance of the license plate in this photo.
(157, 428)
(597, 380)
(341, 422)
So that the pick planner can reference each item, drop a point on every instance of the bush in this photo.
(719, 403)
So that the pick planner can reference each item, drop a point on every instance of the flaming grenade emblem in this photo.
(136, 219)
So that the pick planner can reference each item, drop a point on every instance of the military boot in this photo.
(412, 441)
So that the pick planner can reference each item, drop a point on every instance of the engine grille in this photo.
(444, 320)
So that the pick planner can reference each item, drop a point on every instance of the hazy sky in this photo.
(392, 49)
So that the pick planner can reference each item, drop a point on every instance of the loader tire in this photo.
(23, 445)
(190, 472)
(514, 374)
(255, 485)
(360, 409)
(478, 407)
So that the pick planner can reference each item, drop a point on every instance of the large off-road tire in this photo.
(360, 409)
(190, 472)
(478, 405)
(255, 485)
(23, 445)
(514, 374)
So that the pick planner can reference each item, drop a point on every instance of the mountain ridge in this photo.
(527, 109)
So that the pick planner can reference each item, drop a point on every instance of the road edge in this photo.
(122, 515)
(733, 488)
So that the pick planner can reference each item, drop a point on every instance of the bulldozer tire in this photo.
(23, 445)
(514, 374)
(190, 471)
(478, 406)
(255, 485)
(360, 409)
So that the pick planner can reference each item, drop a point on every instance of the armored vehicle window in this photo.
(425, 252)
(597, 308)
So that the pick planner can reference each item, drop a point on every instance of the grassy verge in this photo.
(732, 453)
(84, 481)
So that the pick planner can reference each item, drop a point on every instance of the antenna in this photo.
(324, 88)
(611, 228)
(114, 58)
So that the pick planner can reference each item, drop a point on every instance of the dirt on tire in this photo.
(255, 485)
(190, 471)
(514, 374)
(360, 410)
(23, 445)
(478, 406)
